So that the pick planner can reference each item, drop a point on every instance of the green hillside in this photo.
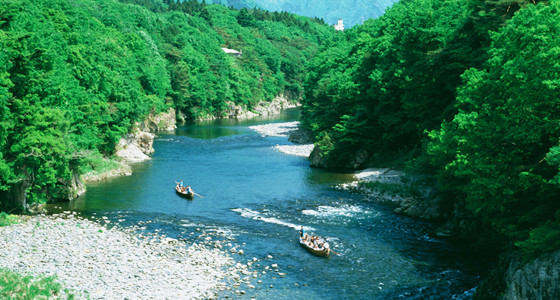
(76, 75)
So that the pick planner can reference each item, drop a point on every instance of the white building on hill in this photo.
(339, 26)
(233, 52)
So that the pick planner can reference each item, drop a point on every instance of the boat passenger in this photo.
(189, 190)
(302, 232)
(181, 183)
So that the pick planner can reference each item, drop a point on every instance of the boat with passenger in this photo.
(315, 245)
(183, 191)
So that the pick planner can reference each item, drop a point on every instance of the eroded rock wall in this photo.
(538, 279)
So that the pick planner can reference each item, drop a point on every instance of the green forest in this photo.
(76, 75)
(467, 92)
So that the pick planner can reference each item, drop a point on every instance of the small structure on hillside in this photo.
(232, 52)
(339, 25)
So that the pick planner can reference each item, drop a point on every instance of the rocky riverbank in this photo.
(284, 129)
(395, 188)
(537, 279)
(384, 185)
(132, 147)
(98, 260)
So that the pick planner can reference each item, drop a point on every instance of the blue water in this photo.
(258, 197)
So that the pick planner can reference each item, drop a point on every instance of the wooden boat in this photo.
(184, 193)
(323, 251)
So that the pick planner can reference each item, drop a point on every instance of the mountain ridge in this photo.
(351, 12)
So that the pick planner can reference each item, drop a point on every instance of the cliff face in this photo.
(138, 145)
(538, 279)
(262, 109)
(77, 187)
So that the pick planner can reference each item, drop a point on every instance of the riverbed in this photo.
(257, 196)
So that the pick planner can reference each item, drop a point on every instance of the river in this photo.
(258, 197)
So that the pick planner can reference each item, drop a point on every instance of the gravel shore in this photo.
(97, 262)
(284, 129)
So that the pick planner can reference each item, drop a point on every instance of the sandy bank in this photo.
(284, 129)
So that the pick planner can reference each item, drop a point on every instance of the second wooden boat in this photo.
(320, 250)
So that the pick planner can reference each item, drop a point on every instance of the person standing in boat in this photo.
(302, 233)
(180, 184)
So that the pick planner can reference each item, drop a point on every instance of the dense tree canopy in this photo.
(465, 91)
(501, 148)
(379, 90)
(77, 75)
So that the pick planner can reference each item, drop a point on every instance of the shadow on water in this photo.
(260, 197)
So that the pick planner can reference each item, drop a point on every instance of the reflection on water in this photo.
(320, 176)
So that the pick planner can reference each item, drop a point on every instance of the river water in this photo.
(258, 198)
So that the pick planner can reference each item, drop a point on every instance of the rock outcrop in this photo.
(538, 279)
(17, 194)
(261, 109)
(357, 161)
(391, 187)
(427, 208)
(301, 136)
(77, 187)
(316, 158)
(136, 147)
(133, 147)
(154, 123)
